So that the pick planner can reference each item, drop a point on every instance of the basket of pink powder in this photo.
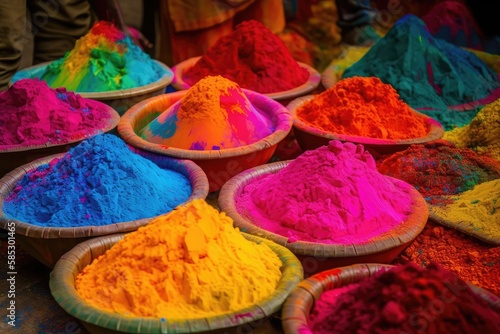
(189, 271)
(221, 127)
(99, 187)
(362, 111)
(375, 298)
(256, 59)
(329, 206)
(107, 66)
(37, 121)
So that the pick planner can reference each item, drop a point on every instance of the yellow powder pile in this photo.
(188, 264)
(482, 134)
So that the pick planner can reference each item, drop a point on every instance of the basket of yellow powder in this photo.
(185, 272)
(221, 127)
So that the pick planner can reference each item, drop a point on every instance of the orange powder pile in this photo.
(364, 107)
(190, 263)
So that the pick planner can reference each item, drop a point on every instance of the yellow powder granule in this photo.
(190, 263)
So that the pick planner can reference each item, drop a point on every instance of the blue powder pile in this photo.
(99, 182)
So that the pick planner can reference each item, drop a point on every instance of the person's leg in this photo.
(271, 13)
(355, 17)
(14, 33)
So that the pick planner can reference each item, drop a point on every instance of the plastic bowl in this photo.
(48, 244)
(120, 100)
(219, 165)
(316, 257)
(62, 280)
(310, 138)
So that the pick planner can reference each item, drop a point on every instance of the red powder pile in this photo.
(253, 57)
(31, 114)
(405, 299)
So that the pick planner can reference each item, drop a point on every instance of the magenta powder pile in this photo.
(333, 194)
(32, 114)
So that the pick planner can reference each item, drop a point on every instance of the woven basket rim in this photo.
(436, 130)
(33, 71)
(311, 83)
(409, 229)
(272, 108)
(196, 176)
(62, 289)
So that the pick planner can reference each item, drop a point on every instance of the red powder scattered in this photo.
(405, 299)
(31, 113)
(108, 30)
(253, 57)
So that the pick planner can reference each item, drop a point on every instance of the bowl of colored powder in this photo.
(373, 298)
(221, 127)
(107, 66)
(99, 187)
(329, 206)
(186, 272)
(253, 57)
(362, 111)
(37, 121)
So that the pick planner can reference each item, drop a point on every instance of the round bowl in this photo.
(316, 257)
(310, 138)
(62, 280)
(120, 100)
(219, 165)
(307, 87)
(13, 156)
(48, 244)
(298, 306)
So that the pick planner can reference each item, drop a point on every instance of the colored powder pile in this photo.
(214, 114)
(333, 194)
(191, 263)
(429, 74)
(472, 260)
(253, 57)
(33, 114)
(439, 168)
(406, 299)
(98, 182)
(105, 59)
(363, 107)
(482, 134)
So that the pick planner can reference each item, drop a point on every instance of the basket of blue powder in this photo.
(100, 187)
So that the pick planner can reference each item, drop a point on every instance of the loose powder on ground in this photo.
(363, 107)
(253, 57)
(214, 114)
(191, 263)
(31, 114)
(333, 194)
(98, 182)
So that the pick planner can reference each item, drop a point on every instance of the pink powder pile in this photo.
(333, 194)
(32, 114)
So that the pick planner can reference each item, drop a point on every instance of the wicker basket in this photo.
(310, 138)
(316, 257)
(48, 244)
(120, 100)
(219, 165)
(300, 303)
(62, 288)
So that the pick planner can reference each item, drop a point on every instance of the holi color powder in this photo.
(253, 57)
(33, 114)
(431, 75)
(98, 182)
(364, 107)
(214, 114)
(105, 59)
(399, 300)
(333, 194)
(191, 263)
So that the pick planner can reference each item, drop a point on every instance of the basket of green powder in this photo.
(189, 271)
(99, 187)
(375, 298)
